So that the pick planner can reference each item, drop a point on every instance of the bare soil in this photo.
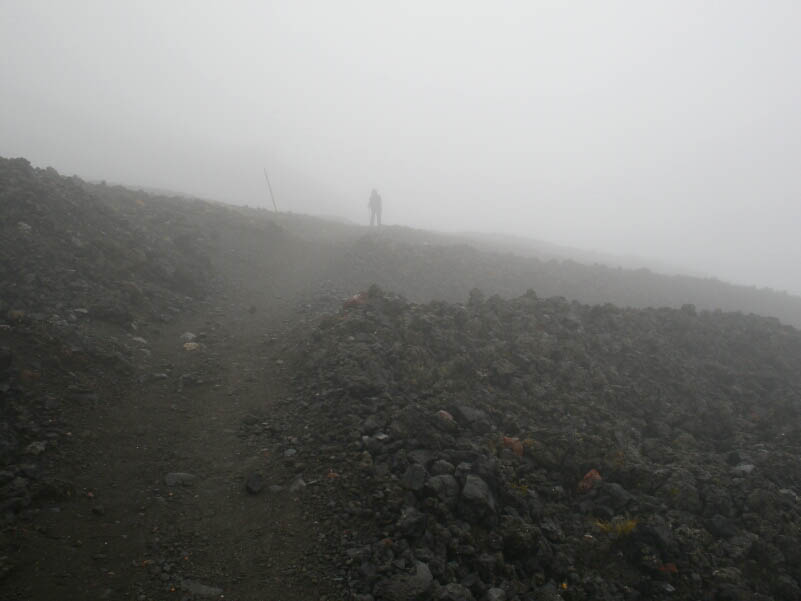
(117, 530)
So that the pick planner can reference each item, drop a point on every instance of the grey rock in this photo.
(496, 594)
(552, 530)
(36, 448)
(476, 419)
(372, 424)
(455, 592)
(372, 444)
(441, 466)
(201, 590)
(297, 484)
(657, 532)
(179, 478)
(475, 584)
(469, 414)
(462, 470)
(617, 496)
(477, 501)
(444, 422)
(737, 457)
(721, 526)
(445, 487)
(254, 483)
(421, 456)
(683, 494)
(414, 477)
(412, 522)
(408, 587)
(548, 592)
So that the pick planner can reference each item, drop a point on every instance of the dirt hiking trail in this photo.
(157, 506)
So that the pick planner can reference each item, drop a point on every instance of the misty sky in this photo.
(669, 130)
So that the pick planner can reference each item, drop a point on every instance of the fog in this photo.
(666, 130)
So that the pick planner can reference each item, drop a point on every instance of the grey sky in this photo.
(669, 129)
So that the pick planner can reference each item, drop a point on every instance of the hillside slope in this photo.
(189, 410)
(533, 445)
(425, 266)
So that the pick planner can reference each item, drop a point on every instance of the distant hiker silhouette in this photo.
(375, 208)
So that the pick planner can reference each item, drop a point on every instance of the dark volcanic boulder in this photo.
(477, 502)
(415, 586)
(445, 487)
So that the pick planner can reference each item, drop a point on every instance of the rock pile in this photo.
(542, 449)
(68, 253)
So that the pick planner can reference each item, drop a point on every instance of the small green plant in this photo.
(521, 488)
(617, 528)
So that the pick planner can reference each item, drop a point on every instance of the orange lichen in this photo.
(589, 480)
(669, 568)
(514, 444)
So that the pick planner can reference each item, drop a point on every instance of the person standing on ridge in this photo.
(375, 208)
